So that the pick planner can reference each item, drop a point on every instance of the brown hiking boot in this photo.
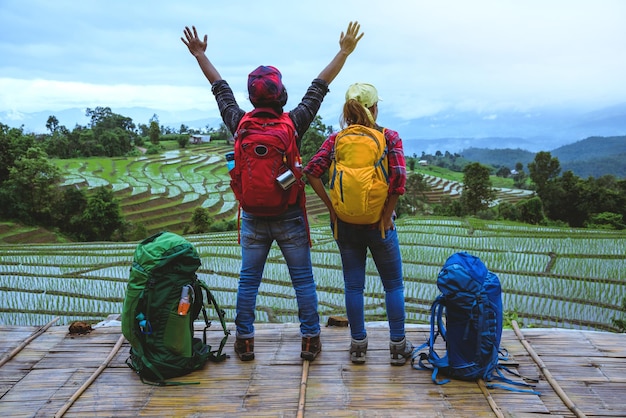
(311, 347)
(244, 348)
(358, 349)
(400, 351)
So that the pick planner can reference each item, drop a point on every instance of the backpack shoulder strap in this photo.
(217, 355)
(435, 362)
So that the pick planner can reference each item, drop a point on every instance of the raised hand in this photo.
(194, 43)
(348, 42)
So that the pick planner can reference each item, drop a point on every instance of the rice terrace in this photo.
(551, 276)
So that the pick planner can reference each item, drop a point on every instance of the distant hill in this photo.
(450, 129)
(593, 156)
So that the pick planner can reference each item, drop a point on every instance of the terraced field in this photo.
(442, 187)
(161, 191)
(550, 276)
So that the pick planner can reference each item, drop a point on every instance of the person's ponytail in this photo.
(354, 113)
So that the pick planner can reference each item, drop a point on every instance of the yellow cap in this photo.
(363, 93)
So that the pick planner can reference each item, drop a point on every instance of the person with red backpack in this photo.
(267, 182)
(367, 174)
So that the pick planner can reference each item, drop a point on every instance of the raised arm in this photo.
(197, 47)
(347, 43)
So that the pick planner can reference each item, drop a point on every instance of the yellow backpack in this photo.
(359, 180)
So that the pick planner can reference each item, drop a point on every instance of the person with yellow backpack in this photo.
(367, 175)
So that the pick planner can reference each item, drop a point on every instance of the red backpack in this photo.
(267, 177)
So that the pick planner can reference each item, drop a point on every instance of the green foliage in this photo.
(447, 160)
(590, 157)
(32, 182)
(183, 141)
(201, 220)
(411, 163)
(102, 216)
(153, 149)
(68, 211)
(530, 211)
(566, 200)
(449, 207)
(543, 169)
(312, 140)
(477, 190)
(607, 220)
(414, 200)
(501, 158)
(154, 132)
(508, 211)
(223, 225)
(508, 317)
(221, 134)
(520, 178)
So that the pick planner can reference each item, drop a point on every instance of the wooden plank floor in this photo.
(38, 382)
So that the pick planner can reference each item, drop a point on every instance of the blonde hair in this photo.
(354, 113)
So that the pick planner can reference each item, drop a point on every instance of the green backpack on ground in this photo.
(163, 298)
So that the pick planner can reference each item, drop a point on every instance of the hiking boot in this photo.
(400, 351)
(358, 348)
(244, 348)
(311, 347)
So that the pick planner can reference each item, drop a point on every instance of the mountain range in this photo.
(590, 157)
(541, 129)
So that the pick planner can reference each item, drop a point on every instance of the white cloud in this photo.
(37, 95)
(423, 56)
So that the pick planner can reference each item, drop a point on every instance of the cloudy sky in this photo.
(424, 56)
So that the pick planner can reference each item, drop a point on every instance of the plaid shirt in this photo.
(321, 161)
(302, 115)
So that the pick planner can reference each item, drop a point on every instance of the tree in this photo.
(411, 162)
(33, 180)
(52, 124)
(7, 157)
(477, 191)
(607, 220)
(201, 220)
(155, 132)
(183, 141)
(530, 211)
(603, 195)
(414, 198)
(102, 216)
(543, 169)
(312, 140)
(503, 172)
(221, 134)
(68, 211)
(112, 132)
(520, 176)
(509, 211)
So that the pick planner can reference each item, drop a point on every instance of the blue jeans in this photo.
(289, 230)
(353, 242)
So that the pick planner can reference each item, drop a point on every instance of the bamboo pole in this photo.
(555, 385)
(303, 381)
(492, 403)
(91, 379)
(27, 341)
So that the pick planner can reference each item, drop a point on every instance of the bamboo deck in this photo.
(44, 378)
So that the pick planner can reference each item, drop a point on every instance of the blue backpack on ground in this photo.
(471, 301)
